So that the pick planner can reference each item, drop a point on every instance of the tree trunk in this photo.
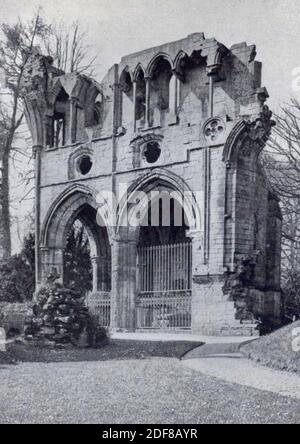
(5, 236)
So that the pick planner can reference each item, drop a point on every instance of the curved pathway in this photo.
(231, 366)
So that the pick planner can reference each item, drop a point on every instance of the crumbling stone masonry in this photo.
(187, 116)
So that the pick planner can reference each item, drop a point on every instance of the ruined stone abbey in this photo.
(188, 118)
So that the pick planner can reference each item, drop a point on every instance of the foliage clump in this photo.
(17, 274)
(60, 318)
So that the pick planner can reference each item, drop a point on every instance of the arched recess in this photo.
(94, 106)
(76, 203)
(139, 97)
(162, 90)
(158, 180)
(158, 235)
(58, 128)
(127, 106)
(241, 156)
(194, 92)
(128, 303)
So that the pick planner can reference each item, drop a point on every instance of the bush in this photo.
(291, 290)
(17, 274)
(61, 318)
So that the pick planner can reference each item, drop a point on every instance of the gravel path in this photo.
(243, 371)
(152, 391)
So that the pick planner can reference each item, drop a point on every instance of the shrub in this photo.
(291, 290)
(61, 318)
(17, 274)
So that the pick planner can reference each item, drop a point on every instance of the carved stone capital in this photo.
(260, 128)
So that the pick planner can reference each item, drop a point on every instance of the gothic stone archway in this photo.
(78, 203)
(136, 305)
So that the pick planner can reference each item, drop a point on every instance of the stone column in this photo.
(123, 284)
(147, 108)
(198, 259)
(212, 72)
(134, 106)
(174, 97)
(73, 119)
(37, 166)
(95, 263)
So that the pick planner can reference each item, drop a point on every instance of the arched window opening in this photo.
(126, 86)
(98, 110)
(152, 152)
(60, 119)
(140, 109)
(84, 164)
(87, 254)
(194, 89)
(160, 91)
(78, 272)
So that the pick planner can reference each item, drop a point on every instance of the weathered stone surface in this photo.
(202, 104)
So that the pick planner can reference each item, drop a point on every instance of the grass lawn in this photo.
(275, 350)
(151, 391)
(113, 350)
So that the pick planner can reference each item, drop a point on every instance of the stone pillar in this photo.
(73, 119)
(95, 263)
(147, 109)
(124, 273)
(174, 98)
(37, 166)
(198, 260)
(134, 106)
(212, 72)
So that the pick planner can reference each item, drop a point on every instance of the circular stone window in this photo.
(84, 165)
(152, 152)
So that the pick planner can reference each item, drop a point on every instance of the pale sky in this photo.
(119, 27)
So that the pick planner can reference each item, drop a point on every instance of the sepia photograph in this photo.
(149, 215)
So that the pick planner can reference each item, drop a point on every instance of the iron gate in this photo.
(165, 278)
(99, 307)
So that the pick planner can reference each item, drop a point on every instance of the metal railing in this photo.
(164, 297)
(99, 307)
(164, 310)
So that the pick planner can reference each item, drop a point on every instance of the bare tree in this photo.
(283, 164)
(16, 44)
(70, 50)
(71, 53)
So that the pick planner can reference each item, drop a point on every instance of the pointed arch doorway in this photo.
(164, 269)
(77, 204)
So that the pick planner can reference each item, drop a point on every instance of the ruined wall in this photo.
(202, 106)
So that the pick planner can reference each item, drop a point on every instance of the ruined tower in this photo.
(188, 119)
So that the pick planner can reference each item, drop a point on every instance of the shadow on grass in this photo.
(113, 350)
